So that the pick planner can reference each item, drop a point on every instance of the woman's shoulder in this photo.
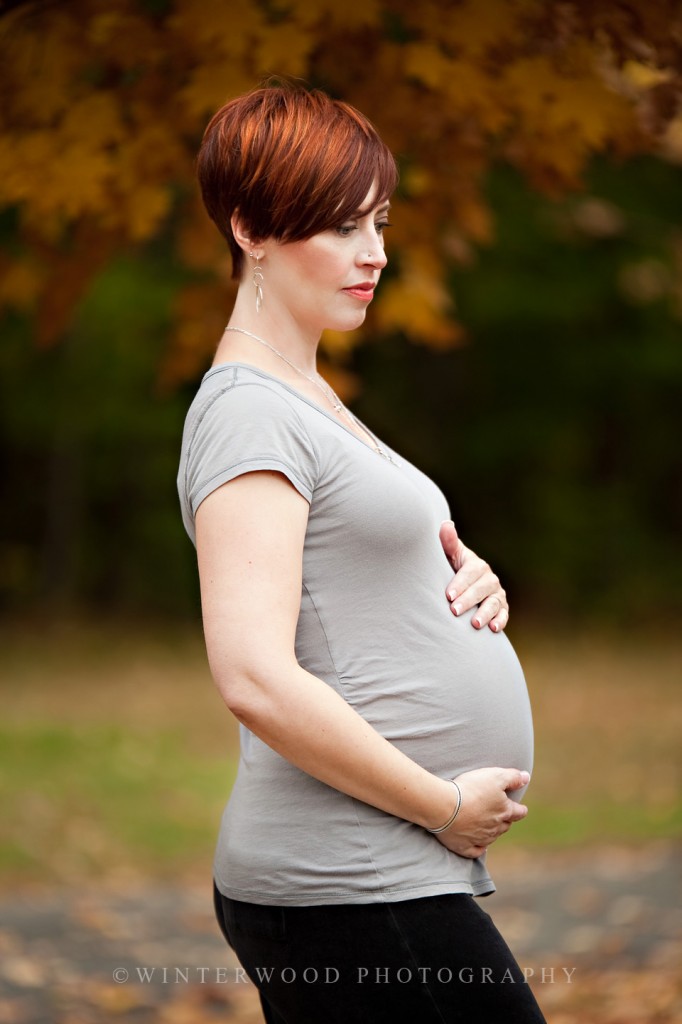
(223, 378)
(241, 405)
(240, 421)
(232, 391)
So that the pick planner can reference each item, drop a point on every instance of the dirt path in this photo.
(599, 933)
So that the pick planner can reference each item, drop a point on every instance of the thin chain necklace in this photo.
(320, 383)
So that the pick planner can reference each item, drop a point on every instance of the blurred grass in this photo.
(101, 798)
(117, 753)
(608, 718)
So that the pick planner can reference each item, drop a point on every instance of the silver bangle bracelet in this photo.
(454, 814)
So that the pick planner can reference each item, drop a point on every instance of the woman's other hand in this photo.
(474, 583)
(487, 811)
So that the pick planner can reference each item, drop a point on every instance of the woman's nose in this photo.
(373, 255)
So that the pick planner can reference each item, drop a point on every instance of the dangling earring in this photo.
(257, 281)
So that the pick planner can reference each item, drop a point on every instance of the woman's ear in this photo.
(246, 243)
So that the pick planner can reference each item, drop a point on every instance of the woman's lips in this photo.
(364, 292)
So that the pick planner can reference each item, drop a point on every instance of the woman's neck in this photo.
(272, 327)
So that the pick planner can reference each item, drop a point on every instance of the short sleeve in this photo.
(243, 428)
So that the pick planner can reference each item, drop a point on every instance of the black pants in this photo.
(437, 960)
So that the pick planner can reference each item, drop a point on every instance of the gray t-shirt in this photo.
(375, 625)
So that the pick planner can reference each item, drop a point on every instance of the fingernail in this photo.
(477, 623)
(457, 608)
(494, 627)
(452, 595)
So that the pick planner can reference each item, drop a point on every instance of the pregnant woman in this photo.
(385, 743)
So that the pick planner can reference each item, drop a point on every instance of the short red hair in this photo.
(292, 162)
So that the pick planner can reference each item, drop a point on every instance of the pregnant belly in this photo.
(461, 703)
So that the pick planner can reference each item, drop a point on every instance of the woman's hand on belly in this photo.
(474, 583)
(486, 811)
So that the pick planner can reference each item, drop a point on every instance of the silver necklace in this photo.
(320, 383)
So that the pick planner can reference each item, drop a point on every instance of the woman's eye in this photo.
(345, 230)
(381, 225)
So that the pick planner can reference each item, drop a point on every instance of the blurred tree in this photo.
(89, 452)
(102, 108)
(108, 260)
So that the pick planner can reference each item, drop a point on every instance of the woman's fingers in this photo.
(499, 620)
(517, 812)
(492, 612)
(480, 589)
(474, 583)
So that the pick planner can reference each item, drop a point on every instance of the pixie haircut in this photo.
(291, 162)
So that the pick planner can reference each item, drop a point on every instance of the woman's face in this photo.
(327, 281)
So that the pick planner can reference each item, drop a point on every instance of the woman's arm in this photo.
(250, 534)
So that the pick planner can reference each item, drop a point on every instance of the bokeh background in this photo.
(524, 349)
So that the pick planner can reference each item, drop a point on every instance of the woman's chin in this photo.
(347, 323)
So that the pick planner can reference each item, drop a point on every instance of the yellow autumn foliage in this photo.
(102, 107)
